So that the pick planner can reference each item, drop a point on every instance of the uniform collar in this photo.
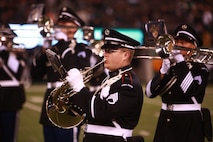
(119, 71)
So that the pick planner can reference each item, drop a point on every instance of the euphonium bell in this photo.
(59, 106)
(60, 110)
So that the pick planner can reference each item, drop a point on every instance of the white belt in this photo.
(181, 107)
(51, 85)
(9, 83)
(107, 130)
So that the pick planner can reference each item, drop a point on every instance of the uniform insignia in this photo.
(127, 80)
(187, 81)
(113, 98)
(82, 54)
(198, 79)
(189, 65)
(127, 85)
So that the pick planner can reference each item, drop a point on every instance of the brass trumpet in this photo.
(165, 45)
(46, 25)
(60, 110)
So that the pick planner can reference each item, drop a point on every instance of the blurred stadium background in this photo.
(128, 14)
(121, 13)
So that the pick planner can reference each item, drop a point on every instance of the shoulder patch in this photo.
(127, 80)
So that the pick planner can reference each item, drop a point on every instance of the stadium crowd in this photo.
(122, 13)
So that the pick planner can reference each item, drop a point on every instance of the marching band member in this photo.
(71, 54)
(181, 86)
(12, 91)
(113, 111)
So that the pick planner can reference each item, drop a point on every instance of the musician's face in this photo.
(183, 43)
(69, 29)
(115, 58)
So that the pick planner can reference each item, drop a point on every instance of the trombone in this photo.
(165, 45)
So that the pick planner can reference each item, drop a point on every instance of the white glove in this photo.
(165, 66)
(178, 57)
(75, 79)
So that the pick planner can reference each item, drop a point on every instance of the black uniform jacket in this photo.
(121, 103)
(12, 96)
(184, 80)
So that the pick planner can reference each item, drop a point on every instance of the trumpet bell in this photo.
(164, 45)
(88, 32)
(46, 24)
(60, 110)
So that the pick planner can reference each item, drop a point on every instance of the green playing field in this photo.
(31, 131)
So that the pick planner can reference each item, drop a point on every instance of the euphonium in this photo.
(60, 110)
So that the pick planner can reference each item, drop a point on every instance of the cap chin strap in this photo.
(195, 43)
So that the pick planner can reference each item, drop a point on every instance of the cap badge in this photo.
(106, 32)
(64, 9)
(184, 27)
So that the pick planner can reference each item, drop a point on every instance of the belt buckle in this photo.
(170, 107)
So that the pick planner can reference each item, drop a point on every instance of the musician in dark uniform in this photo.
(113, 111)
(181, 84)
(71, 54)
(12, 92)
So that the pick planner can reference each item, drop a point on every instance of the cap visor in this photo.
(185, 38)
(110, 46)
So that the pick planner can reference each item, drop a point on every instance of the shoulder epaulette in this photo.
(127, 79)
